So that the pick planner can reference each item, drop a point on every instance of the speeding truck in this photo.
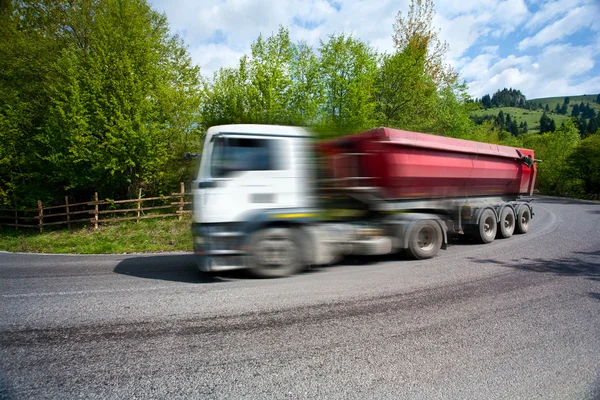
(273, 200)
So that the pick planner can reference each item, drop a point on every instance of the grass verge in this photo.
(147, 236)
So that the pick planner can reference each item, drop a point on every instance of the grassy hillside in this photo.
(551, 101)
(533, 117)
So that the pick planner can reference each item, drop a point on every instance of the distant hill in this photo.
(552, 101)
(532, 116)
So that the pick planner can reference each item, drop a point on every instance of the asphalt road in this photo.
(518, 318)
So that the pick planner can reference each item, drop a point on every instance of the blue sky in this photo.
(543, 48)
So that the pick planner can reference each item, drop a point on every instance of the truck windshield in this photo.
(233, 154)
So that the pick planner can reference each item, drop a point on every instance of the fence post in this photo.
(41, 216)
(181, 199)
(68, 215)
(139, 206)
(16, 221)
(95, 210)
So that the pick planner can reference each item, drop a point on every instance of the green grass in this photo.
(147, 236)
(551, 101)
(531, 117)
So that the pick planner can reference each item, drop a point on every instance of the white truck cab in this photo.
(250, 176)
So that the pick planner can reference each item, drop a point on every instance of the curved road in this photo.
(518, 318)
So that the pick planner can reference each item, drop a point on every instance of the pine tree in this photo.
(592, 126)
(575, 111)
(580, 123)
(552, 125)
(545, 123)
(486, 101)
(514, 130)
(547, 109)
(500, 120)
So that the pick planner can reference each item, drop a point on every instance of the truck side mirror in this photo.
(189, 156)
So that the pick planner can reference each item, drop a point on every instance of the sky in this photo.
(543, 48)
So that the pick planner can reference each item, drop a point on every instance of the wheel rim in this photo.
(275, 252)
(488, 226)
(525, 219)
(426, 238)
(509, 222)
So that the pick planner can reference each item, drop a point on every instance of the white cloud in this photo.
(487, 26)
(215, 56)
(573, 21)
(549, 74)
(550, 10)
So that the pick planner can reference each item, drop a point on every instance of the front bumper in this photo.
(219, 247)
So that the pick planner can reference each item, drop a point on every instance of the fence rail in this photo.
(99, 211)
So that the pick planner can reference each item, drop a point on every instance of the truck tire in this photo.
(522, 220)
(506, 225)
(488, 226)
(425, 240)
(275, 253)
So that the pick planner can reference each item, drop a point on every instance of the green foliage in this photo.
(99, 96)
(112, 107)
(348, 68)
(554, 148)
(279, 83)
(546, 124)
(585, 164)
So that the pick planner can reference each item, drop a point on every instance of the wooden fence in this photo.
(99, 211)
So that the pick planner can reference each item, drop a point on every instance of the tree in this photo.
(486, 101)
(500, 120)
(581, 126)
(415, 88)
(554, 148)
(415, 30)
(118, 99)
(514, 130)
(592, 126)
(585, 164)
(509, 98)
(278, 83)
(547, 109)
(552, 125)
(567, 100)
(598, 98)
(406, 96)
(545, 123)
(348, 69)
(575, 111)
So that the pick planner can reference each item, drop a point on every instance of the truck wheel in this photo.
(523, 218)
(425, 240)
(506, 223)
(275, 253)
(488, 226)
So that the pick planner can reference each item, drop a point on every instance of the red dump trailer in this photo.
(419, 182)
(409, 165)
